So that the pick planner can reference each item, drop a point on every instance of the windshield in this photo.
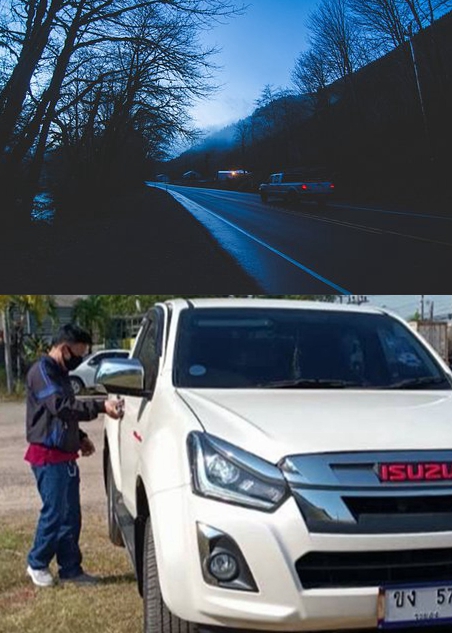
(289, 348)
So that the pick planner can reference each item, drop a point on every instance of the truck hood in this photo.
(277, 423)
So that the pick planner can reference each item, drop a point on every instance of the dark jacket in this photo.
(53, 412)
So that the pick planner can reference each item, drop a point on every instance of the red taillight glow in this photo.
(438, 471)
(304, 187)
(332, 186)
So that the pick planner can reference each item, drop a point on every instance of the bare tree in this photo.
(36, 19)
(336, 38)
(268, 115)
(424, 12)
(243, 135)
(311, 74)
(151, 71)
(388, 23)
(385, 22)
(61, 30)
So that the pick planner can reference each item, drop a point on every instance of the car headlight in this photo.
(226, 472)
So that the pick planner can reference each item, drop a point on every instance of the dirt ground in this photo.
(18, 492)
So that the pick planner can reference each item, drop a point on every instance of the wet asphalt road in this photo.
(340, 248)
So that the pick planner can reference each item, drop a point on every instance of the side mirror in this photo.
(123, 376)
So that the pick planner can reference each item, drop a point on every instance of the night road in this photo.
(339, 248)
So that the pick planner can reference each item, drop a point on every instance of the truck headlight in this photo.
(226, 472)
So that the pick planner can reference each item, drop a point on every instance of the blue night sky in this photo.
(258, 48)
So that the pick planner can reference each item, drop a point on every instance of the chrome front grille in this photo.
(342, 493)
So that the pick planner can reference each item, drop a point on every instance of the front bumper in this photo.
(271, 544)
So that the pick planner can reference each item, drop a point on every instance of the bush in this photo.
(18, 388)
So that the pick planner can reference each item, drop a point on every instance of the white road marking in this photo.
(199, 213)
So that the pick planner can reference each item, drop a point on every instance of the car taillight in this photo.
(304, 187)
(332, 186)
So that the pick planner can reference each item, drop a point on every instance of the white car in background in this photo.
(83, 377)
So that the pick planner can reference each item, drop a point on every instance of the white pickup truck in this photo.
(282, 466)
(293, 187)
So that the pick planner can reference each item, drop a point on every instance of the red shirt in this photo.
(39, 455)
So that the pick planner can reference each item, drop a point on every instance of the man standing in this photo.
(53, 416)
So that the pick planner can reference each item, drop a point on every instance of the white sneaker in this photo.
(40, 577)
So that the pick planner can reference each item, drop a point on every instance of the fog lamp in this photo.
(224, 567)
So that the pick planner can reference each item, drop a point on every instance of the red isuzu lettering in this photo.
(415, 472)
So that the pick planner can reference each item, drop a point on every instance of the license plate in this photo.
(410, 605)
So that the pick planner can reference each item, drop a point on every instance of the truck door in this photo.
(276, 183)
(148, 350)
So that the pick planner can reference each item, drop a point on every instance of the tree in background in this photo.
(151, 67)
(92, 315)
(13, 310)
(336, 37)
(424, 12)
(311, 73)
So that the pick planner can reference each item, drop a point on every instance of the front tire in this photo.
(77, 385)
(114, 532)
(157, 617)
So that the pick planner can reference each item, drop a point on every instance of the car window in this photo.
(148, 349)
(257, 348)
(123, 354)
(94, 360)
(97, 358)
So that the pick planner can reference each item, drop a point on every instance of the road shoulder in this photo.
(138, 243)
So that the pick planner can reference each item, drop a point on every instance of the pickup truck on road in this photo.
(292, 187)
(283, 466)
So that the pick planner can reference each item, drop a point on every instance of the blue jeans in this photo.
(60, 521)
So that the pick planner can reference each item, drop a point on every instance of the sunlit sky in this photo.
(258, 48)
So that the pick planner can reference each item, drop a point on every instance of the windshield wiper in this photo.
(309, 383)
(414, 383)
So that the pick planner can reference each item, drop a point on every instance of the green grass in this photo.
(113, 606)
(18, 390)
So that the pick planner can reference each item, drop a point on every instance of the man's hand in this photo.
(114, 408)
(87, 448)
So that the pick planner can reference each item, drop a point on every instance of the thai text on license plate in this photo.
(414, 605)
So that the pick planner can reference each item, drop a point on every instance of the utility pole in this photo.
(422, 307)
(7, 343)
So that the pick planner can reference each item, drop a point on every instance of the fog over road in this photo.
(341, 248)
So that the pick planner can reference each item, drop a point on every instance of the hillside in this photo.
(378, 131)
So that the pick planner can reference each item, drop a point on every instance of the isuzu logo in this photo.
(415, 471)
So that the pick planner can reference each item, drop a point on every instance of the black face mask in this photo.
(73, 362)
